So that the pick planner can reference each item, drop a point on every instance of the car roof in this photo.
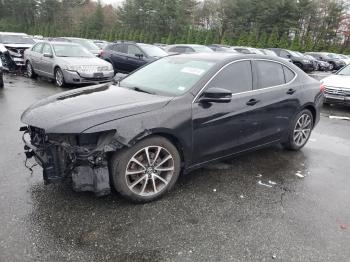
(12, 33)
(59, 42)
(189, 45)
(224, 57)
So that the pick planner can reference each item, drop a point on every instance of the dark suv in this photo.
(128, 56)
(335, 63)
(298, 59)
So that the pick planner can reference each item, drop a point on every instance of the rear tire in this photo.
(147, 170)
(300, 131)
(59, 77)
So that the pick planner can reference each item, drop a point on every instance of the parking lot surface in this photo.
(271, 205)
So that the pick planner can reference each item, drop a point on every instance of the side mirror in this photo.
(216, 95)
(48, 55)
(139, 55)
(289, 56)
(320, 58)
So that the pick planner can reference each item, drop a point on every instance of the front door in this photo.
(220, 129)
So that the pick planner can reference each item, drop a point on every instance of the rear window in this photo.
(288, 74)
(269, 74)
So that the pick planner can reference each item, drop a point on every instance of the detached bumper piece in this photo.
(62, 158)
(87, 178)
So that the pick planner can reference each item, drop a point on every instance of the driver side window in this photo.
(236, 77)
(37, 48)
(47, 49)
(133, 50)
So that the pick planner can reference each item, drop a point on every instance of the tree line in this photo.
(296, 24)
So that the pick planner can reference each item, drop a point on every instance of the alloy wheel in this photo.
(59, 77)
(302, 130)
(149, 171)
(29, 70)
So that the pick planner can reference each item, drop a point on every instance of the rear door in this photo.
(277, 92)
(134, 60)
(220, 129)
(117, 54)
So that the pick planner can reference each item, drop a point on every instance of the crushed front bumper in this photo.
(88, 169)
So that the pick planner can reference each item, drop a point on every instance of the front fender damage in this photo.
(82, 158)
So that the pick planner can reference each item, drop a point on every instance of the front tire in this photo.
(300, 131)
(30, 70)
(146, 171)
(59, 77)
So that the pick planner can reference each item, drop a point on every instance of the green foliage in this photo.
(321, 24)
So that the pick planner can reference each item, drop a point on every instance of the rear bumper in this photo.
(72, 77)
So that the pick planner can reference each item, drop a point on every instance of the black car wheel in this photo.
(59, 77)
(30, 70)
(1, 80)
(299, 133)
(147, 170)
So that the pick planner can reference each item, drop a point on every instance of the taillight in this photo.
(322, 88)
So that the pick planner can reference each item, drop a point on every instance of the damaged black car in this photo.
(171, 116)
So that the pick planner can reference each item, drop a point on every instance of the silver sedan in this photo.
(66, 63)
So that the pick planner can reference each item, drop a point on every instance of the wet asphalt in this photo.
(217, 213)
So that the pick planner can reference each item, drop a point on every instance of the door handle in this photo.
(252, 102)
(291, 91)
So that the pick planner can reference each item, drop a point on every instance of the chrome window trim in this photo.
(254, 90)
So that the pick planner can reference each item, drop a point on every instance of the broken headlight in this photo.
(95, 139)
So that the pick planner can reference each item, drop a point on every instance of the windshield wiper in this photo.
(142, 90)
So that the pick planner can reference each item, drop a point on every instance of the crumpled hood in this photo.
(77, 110)
(337, 81)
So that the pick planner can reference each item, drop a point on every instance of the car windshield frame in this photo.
(86, 43)
(295, 54)
(202, 49)
(346, 69)
(152, 50)
(70, 47)
(168, 76)
(10, 39)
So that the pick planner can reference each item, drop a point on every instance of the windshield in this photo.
(333, 56)
(269, 52)
(152, 50)
(16, 39)
(64, 50)
(295, 54)
(89, 45)
(343, 56)
(345, 71)
(171, 76)
(202, 49)
(257, 51)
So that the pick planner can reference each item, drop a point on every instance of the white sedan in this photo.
(337, 87)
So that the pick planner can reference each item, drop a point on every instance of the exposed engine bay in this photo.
(79, 157)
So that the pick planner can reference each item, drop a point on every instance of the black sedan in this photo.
(175, 114)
